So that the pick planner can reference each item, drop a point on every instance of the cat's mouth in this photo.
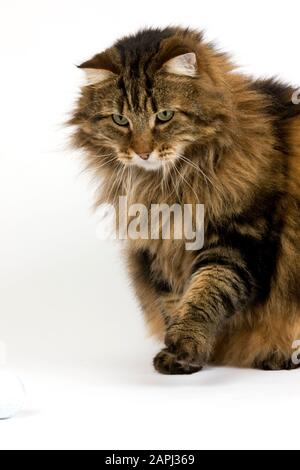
(150, 162)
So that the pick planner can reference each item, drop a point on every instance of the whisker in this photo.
(105, 163)
(164, 179)
(187, 183)
(193, 165)
(116, 175)
(173, 181)
(119, 186)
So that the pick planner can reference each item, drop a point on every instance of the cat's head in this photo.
(151, 100)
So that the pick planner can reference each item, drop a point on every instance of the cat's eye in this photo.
(120, 120)
(164, 116)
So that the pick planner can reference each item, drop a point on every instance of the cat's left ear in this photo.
(184, 64)
(99, 68)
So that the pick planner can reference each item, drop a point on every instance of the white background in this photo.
(71, 325)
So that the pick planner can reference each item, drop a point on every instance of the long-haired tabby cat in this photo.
(164, 117)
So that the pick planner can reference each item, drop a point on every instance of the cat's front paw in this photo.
(187, 349)
(167, 363)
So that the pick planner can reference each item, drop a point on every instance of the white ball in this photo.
(12, 394)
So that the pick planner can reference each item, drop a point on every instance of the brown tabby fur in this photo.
(236, 301)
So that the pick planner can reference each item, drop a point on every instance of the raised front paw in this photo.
(187, 349)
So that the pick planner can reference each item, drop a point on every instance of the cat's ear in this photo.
(93, 76)
(184, 64)
(99, 68)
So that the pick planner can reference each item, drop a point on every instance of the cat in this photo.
(165, 118)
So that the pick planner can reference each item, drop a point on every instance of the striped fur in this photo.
(236, 301)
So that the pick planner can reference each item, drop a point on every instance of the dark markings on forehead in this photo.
(137, 53)
(135, 92)
(136, 95)
(141, 45)
(149, 84)
(124, 96)
(135, 86)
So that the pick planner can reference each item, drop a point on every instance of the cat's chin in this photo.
(152, 164)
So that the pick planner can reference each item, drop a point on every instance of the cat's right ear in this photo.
(183, 64)
(99, 68)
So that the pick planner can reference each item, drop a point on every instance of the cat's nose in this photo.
(144, 156)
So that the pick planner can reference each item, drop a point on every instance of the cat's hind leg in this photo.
(276, 361)
(261, 340)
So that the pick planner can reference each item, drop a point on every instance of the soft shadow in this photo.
(137, 371)
(27, 413)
